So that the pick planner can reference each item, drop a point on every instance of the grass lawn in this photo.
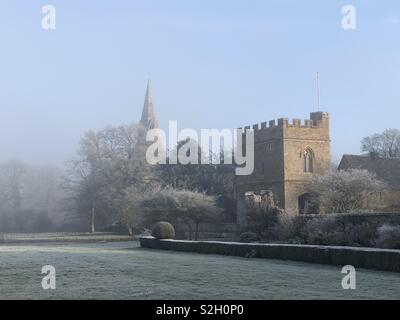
(123, 270)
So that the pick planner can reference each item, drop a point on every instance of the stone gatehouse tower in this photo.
(287, 156)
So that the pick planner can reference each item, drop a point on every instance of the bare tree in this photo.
(11, 176)
(107, 163)
(386, 144)
(29, 197)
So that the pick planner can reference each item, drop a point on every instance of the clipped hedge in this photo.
(368, 258)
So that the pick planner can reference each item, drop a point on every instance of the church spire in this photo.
(149, 120)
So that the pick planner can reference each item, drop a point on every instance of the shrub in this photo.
(249, 237)
(290, 228)
(324, 231)
(360, 235)
(334, 230)
(388, 237)
(262, 213)
(163, 230)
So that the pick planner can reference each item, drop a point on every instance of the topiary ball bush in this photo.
(163, 230)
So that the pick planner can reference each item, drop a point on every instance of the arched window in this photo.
(308, 160)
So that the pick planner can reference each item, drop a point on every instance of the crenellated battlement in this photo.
(316, 120)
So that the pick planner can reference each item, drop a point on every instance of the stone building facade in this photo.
(287, 156)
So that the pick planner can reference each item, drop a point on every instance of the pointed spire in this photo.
(149, 120)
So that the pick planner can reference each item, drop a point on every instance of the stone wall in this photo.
(231, 231)
(358, 218)
(387, 201)
(208, 231)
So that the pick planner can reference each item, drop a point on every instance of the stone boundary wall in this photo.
(367, 258)
(231, 231)
(390, 218)
(220, 230)
(214, 227)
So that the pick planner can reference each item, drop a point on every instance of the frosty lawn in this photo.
(125, 271)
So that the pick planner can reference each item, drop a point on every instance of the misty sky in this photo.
(222, 64)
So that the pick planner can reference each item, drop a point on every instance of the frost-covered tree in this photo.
(180, 205)
(343, 191)
(215, 179)
(128, 207)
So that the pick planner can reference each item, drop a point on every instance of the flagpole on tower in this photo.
(318, 94)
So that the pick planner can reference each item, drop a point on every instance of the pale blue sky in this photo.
(223, 64)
